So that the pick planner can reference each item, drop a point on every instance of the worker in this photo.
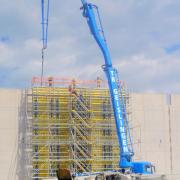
(73, 83)
(50, 81)
(72, 91)
(99, 80)
(72, 87)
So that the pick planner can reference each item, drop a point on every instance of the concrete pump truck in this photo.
(128, 169)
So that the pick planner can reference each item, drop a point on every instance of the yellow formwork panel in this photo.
(102, 122)
(47, 134)
(56, 123)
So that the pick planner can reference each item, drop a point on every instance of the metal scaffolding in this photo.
(70, 125)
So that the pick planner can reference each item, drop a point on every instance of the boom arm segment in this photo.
(126, 152)
(97, 32)
(45, 22)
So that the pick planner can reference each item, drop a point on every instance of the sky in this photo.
(143, 37)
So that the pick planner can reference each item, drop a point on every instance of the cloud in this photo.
(155, 75)
(142, 36)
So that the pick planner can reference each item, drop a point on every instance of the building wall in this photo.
(175, 136)
(154, 121)
(156, 131)
(9, 116)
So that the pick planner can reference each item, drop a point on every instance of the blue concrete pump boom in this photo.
(91, 13)
(45, 22)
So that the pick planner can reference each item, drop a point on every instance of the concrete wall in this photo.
(155, 122)
(175, 136)
(155, 126)
(9, 116)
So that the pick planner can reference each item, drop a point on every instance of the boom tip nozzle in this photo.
(84, 2)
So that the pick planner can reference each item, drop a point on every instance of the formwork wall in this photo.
(75, 131)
